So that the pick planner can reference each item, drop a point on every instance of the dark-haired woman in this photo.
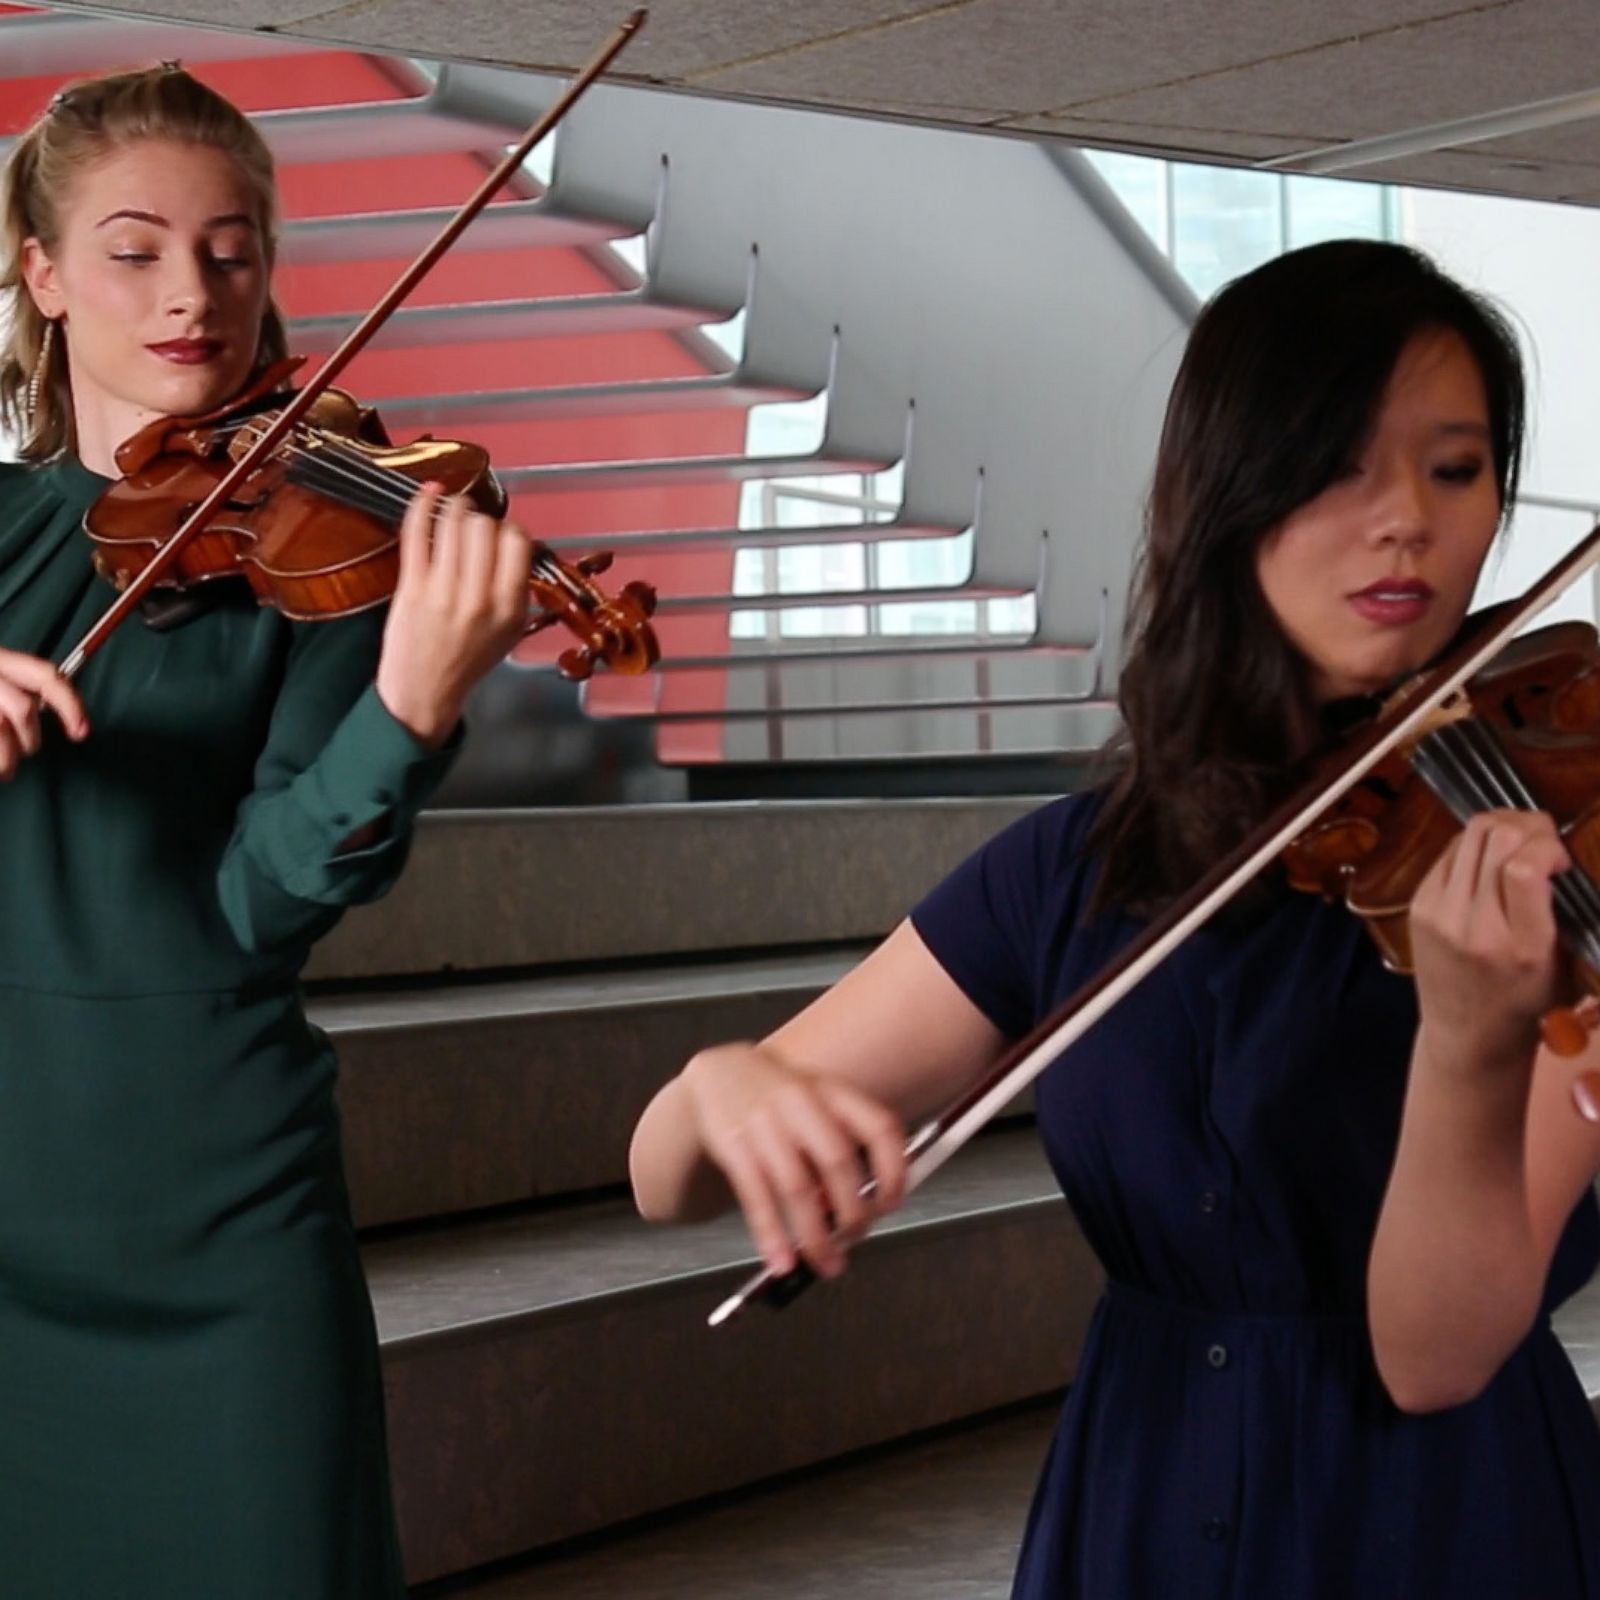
(1335, 1206)
(190, 1405)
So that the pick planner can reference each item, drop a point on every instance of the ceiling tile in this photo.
(1574, 142)
(1410, 77)
(1246, 81)
(1040, 55)
(1488, 173)
(1184, 144)
(682, 37)
(221, 13)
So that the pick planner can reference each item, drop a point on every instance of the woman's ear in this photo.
(43, 281)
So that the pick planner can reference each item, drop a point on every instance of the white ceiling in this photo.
(1236, 80)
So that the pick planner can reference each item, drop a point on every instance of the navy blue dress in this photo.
(1224, 1137)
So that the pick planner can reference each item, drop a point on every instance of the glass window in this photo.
(1225, 221)
(1141, 185)
(1334, 208)
(922, 563)
(817, 568)
(822, 622)
(924, 617)
(1014, 616)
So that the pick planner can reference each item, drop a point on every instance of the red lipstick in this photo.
(1393, 602)
(187, 352)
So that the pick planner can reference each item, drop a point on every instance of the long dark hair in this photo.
(1280, 385)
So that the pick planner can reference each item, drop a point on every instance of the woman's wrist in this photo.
(1478, 1045)
(427, 721)
(1491, 1074)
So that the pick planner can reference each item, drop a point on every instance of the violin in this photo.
(313, 528)
(1523, 734)
(1497, 722)
(302, 498)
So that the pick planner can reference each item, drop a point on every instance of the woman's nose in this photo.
(185, 289)
(1401, 513)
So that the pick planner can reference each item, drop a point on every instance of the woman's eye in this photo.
(1459, 472)
(137, 257)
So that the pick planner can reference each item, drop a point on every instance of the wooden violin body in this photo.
(1524, 734)
(314, 527)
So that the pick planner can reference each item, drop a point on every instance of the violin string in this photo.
(1466, 781)
(340, 472)
(1574, 886)
(345, 474)
(1467, 769)
(394, 491)
(311, 467)
(1480, 754)
(1491, 753)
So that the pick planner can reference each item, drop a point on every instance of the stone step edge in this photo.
(717, 1280)
(540, 993)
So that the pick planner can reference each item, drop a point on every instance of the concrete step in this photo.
(445, 413)
(630, 541)
(667, 471)
(496, 1093)
(941, 1515)
(938, 1516)
(505, 225)
(512, 890)
(494, 321)
(551, 1373)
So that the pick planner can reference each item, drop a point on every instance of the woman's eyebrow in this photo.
(227, 218)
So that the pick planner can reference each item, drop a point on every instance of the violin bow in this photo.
(352, 345)
(936, 1140)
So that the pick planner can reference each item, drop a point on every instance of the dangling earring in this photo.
(36, 380)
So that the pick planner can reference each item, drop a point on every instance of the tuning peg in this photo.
(1567, 1029)
(593, 566)
(576, 665)
(643, 595)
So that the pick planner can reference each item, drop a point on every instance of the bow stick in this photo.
(938, 1139)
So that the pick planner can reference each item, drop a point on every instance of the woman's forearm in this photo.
(1455, 1274)
(673, 1181)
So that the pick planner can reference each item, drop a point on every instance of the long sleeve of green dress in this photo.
(190, 1403)
(286, 875)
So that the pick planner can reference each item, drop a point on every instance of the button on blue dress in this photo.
(1224, 1137)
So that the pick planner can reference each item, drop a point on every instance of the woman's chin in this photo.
(192, 391)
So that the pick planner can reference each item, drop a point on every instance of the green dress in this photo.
(190, 1399)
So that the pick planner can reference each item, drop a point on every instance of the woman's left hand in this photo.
(460, 604)
(1483, 939)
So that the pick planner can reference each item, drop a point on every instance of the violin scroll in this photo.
(611, 628)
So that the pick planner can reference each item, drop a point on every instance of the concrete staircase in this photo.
(501, 1021)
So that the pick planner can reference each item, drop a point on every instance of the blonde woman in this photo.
(189, 1389)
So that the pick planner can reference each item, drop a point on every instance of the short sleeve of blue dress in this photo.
(1224, 1137)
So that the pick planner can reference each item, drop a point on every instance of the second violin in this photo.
(314, 527)
(1523, 735)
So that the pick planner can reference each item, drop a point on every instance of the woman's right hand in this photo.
(796, 1147)
(27, 684)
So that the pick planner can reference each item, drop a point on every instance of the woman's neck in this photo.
(101, 423)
